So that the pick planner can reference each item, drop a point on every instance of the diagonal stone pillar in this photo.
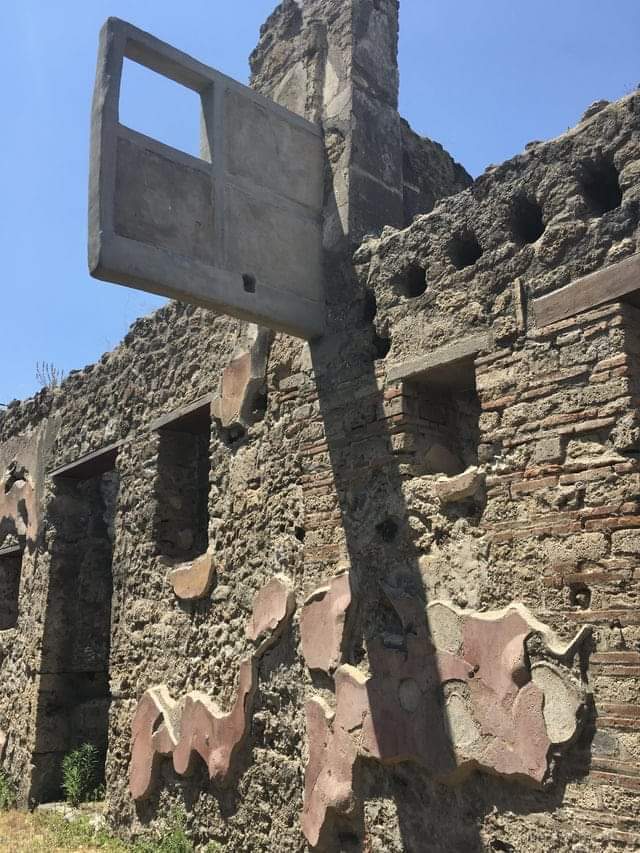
(335, 62)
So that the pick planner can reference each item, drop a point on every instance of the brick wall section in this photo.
(567, 504)
(559, 531)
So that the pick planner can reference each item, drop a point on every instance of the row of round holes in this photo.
(601, 188)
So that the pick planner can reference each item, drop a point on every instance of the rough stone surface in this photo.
(195, 725)
(335, 62)
(339, 465)
(429, 173)
(459, 487)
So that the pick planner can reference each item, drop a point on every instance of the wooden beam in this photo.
(450, 366)
(90, 465)
(607, 285)
(194, 417)
(11, 551)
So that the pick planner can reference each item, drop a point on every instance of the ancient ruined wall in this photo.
(349, 627)
(344, 473)
(429, 173)
(554, 524)
(73, 552)
(22, 485)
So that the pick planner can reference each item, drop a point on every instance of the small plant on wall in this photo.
(80, 775)
(8, 794)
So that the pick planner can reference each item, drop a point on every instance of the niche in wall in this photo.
(441, 413)
(10, 570)
(182, 483)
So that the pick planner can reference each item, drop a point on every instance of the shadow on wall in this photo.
(439, 678)
(182, 492)
(388, 616)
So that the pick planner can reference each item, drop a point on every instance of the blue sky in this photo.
(482, 78)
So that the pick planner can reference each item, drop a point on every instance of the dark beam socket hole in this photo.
(464, 250)
(370, 308)
(580, 596)
(234, 434)
(387, 530)
(381, 346)
(413, 281)
(249, 283)
(498, 844)
(601, 187)
(526, 220)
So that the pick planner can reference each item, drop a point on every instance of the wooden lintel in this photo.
(90, 465)
(607, 285)
(448, 366)
(11, 551)
(195, 417)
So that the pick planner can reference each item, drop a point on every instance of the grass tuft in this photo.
(80, 775)
(51, 832)
(8, 793)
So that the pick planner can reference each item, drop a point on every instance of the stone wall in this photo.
(435, 458)
(335, 62)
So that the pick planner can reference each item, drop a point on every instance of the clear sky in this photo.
(483, 78)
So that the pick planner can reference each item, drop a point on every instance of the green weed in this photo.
(79, 832)
(8, 794)
(174, 838)
(80, 770)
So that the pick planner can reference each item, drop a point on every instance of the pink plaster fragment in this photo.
(493, 721)
(243, 380)
(192, 581)
(322, 623)
(18, 502)
(195, 726)
(155, 705)
(272, 607)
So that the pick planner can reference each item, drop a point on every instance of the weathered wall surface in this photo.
(336, 63)
(111, 401)
(558, 436)
(429, 173)
(507, 474)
